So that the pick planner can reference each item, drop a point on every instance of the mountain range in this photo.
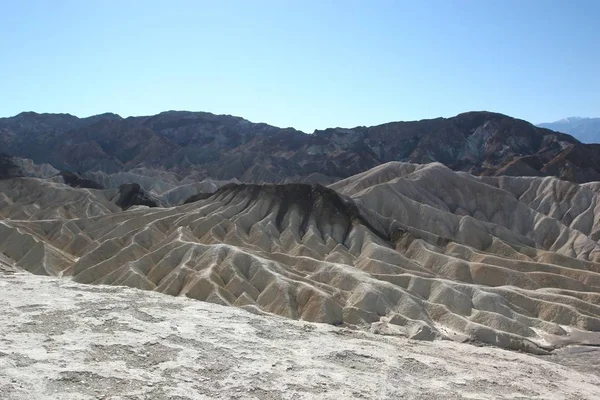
(175, 148)
(479, 228)
(585, 129)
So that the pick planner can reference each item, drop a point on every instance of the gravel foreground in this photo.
(62, 340)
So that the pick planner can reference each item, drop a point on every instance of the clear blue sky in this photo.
(307, 64)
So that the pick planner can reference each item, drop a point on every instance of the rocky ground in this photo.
(62, 340)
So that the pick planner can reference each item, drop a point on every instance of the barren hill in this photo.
(405, 249)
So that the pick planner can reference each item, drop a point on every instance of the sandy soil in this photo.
(62, 340)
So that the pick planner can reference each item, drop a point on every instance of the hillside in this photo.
(414, 250)
(194, 146)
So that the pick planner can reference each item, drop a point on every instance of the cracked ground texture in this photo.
(64, 340)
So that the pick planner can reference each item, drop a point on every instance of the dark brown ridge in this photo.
(311, 199)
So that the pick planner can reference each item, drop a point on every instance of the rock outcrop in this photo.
(77, 181)
(131, 194)
(8, 168)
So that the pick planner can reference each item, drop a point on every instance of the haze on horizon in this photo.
(309, 65)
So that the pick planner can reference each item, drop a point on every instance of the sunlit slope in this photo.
(414, 249)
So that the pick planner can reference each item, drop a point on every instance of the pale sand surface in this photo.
(64, 340)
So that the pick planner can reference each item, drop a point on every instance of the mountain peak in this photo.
(587, 130)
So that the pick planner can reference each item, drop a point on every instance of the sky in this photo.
(305, 64)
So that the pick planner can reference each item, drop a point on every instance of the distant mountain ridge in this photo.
(197, 145)
(586, 130)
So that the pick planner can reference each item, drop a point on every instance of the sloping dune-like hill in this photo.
(407, 249)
